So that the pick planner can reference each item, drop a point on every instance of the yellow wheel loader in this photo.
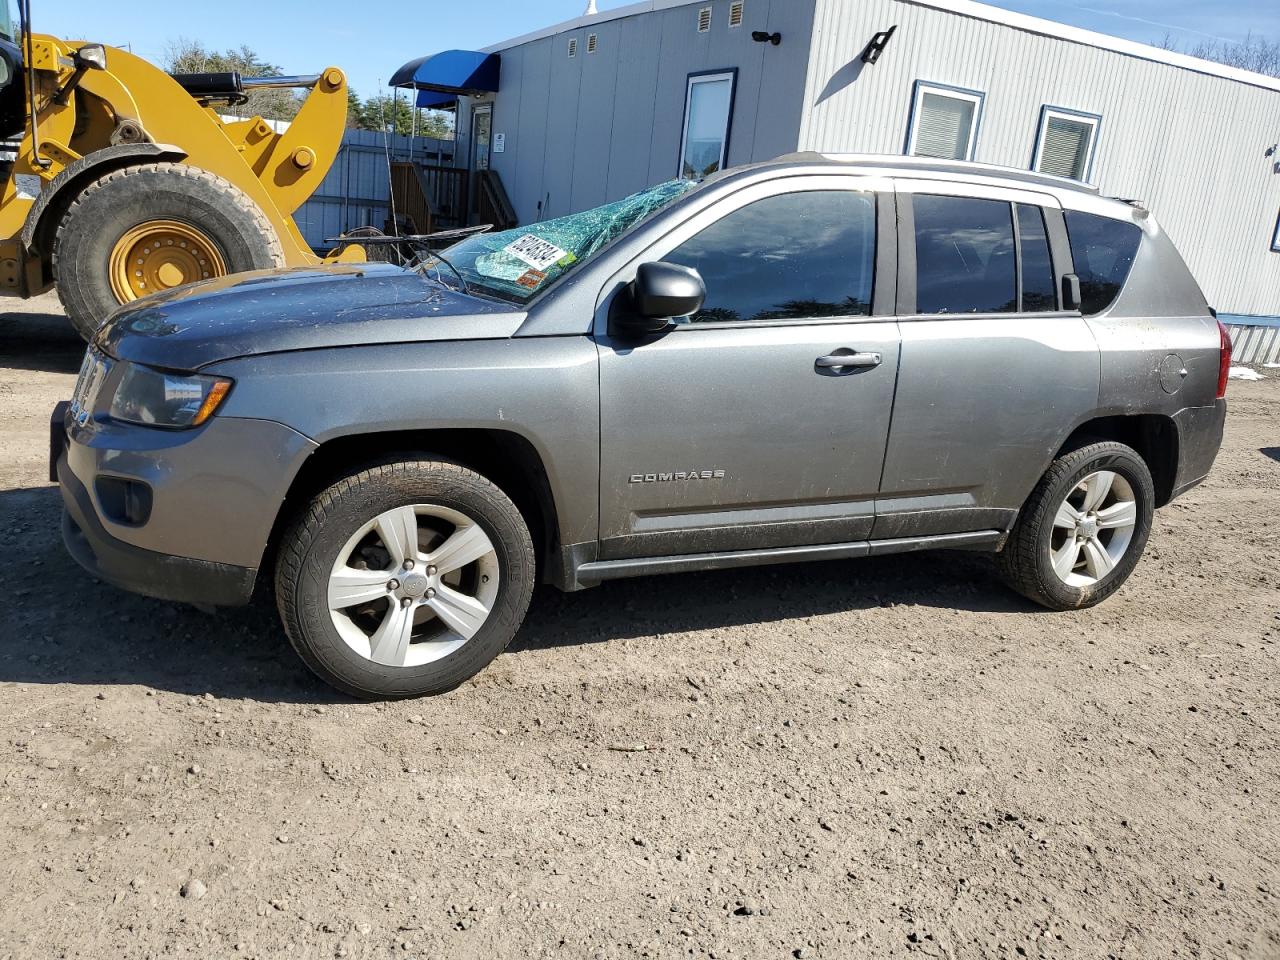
(126, 180)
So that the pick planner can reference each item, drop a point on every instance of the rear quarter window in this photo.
(1103, 250)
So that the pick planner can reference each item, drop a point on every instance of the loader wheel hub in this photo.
(161, 254)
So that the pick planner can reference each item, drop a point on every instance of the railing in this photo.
(1254, 339)
(446, 190)
(492, 203)
(356, 191)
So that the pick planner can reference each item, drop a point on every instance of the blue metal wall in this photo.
(356, 192)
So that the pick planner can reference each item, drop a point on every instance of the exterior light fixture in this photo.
(762, 36)
(876, 47)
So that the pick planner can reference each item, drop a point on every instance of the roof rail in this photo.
(931, 165)
(1139, 206)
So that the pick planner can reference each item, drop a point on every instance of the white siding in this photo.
(586, 130)
(1190, 145)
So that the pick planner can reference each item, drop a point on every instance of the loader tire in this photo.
(148, 228)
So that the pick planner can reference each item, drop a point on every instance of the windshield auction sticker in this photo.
(531, 279)
(535, 251)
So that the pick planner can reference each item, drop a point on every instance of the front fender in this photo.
(81, 172)
(544, 389)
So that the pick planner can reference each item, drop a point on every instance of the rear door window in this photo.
(1103, 250)
(965, 256)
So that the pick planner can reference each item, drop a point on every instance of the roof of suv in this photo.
(1070, 193)
(927, 165)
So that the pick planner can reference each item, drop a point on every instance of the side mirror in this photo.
(659, 293)
(1071, 299)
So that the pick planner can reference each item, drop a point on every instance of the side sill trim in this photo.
(596, 571)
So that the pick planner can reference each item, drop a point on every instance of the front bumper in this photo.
(212, 498)
(144, 571)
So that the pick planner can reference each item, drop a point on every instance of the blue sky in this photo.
(372, 38)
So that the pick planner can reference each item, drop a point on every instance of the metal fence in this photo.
(357, 190)
(1254, 342)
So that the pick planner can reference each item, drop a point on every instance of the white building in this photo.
(598, 107)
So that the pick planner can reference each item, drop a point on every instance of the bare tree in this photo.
(1255, 52)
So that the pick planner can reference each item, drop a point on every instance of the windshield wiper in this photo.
(440, 257)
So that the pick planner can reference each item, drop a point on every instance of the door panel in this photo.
(981, 404)
(741, 427)
(723, 438)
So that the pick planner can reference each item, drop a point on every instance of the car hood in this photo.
(270, 311)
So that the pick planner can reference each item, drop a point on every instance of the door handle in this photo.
(837, 360)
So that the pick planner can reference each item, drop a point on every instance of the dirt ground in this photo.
(870, 758)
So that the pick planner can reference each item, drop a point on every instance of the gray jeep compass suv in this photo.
(809, 358)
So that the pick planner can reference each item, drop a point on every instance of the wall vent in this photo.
(735, 13)
(573, 46)
(704, 19)
(592, 42)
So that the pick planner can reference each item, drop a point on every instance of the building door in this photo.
(481, 147)
(708, 115)
(481, 136)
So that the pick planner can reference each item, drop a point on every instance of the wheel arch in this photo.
(1154, 436)
(508, 459)
(56, 197)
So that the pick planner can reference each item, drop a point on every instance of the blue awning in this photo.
(456, 72)
(430, 100)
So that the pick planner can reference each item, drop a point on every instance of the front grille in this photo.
(93, 373)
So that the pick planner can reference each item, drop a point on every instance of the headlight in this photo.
(158, 399)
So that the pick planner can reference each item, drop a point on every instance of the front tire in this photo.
(1083, 530)
(143, 229)
(404, 579)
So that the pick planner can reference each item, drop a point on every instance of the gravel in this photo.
(886, 757)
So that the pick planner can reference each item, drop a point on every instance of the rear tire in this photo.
(112, 214)
(1066, 551)
(374, 618)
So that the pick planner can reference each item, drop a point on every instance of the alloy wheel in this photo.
(413, 585)
(1093, 528)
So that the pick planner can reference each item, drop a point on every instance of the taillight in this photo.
(1224, 358)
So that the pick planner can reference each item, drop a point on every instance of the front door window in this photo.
(794, 256)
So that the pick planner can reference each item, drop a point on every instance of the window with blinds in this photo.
(1066, 142)
(944, 122)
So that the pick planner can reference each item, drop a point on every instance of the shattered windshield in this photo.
(518, 264)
